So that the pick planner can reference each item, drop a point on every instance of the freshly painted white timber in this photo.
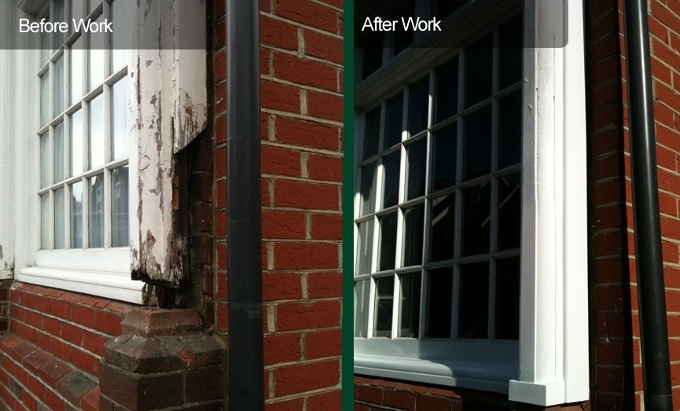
(553, 365)
(464, 374)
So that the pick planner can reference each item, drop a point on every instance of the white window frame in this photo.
(549, 365)
(101, 272)
(172, 82)
(7, 110)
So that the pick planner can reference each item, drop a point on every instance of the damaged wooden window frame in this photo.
(549, 363)
(167, 108)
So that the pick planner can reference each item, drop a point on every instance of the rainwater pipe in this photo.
(649, 262)
(244, 225)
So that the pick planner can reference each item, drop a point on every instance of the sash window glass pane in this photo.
(510, 130)
(45, 221)
(368, 181)
(93, 4)
(59, 12)
(371, 133)
(439, 301)
(476, 219)
(446, 91)
(388, 241)
(119, 208)
(58, 86)
(416, 156)
(444, 153)
(121, 38)
(393, 121)
(478, 71)
(442, 217)
(391, 180)
(474, 301)
(77, 9)
(413, 235)
(45, 45)
(96, 59)
(77, 55)
(45, 160)
(59, 219)
(507, 298)
(96, 214)
(361, 295)
(59, 152)
(364, 251)
(45, 99)
(119, 112)
(384, 297)
(510, 53)
(417, 109)
(96, 146)
(76, 144)
(77, 215)
(477, 143)
(509, 211)
(409, 307)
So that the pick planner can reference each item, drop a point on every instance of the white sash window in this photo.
(469, 255)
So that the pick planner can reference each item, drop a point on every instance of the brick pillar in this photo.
(163, 359)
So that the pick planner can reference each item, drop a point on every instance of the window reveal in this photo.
(438, 224)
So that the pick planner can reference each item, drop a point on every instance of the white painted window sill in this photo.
(461, 374)
(103, 273)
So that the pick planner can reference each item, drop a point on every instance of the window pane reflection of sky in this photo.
(97, 132)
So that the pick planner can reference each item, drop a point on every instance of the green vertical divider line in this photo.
(348, 213)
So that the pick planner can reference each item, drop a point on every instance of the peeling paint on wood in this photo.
(169, 112)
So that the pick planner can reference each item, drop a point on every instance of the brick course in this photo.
(616, 381)
(615, 357)
(301, 157)
(384, 394)
(51, 356)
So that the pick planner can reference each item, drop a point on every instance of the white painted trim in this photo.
(113, 260)
(464, 374)
(99, 272)
(117, 286)
(553, 367)
(6, 142)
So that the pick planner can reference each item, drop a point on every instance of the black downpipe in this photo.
(651, 295)
(244, 226)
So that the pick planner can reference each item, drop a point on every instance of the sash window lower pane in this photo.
(438, 223)
(382, 323)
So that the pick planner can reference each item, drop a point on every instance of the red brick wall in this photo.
(301, 73)
(4, 304)
(373, 394)
(52, 356)
(612, 362)
(664, 25)
(616, 373)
